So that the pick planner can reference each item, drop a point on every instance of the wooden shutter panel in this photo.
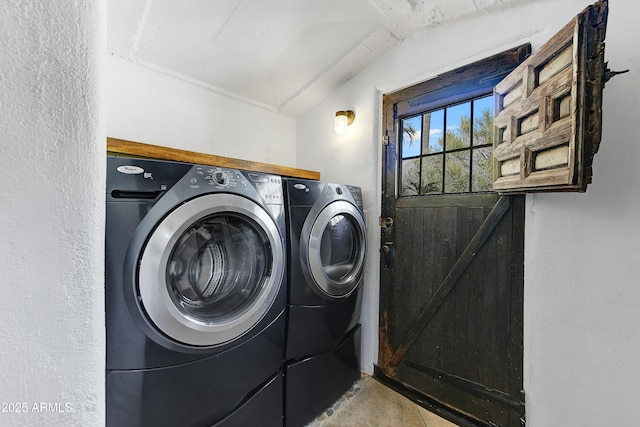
(549, 111)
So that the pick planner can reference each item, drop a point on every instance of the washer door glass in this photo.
(337, 249)
(211, 270)
(218, 267)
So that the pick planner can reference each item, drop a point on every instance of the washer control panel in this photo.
(268, 186)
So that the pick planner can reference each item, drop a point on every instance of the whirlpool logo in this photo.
(130, 169)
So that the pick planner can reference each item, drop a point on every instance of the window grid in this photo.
(417, 187)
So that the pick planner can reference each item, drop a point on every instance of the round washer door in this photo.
(335, 249)
(211, 270)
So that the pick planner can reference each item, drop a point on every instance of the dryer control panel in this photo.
(356, 192)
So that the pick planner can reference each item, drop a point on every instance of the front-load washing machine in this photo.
(326, 238)
(195, 295)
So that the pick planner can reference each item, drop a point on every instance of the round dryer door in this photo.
(336, 249)
(211, 269)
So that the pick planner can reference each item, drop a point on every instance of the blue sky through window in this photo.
(454, 119)
(479, 105)
(436, 132)
(411, 142)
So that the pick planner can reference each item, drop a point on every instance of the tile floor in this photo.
(370, 404)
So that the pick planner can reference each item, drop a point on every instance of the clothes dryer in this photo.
(195, 295)
(327, 240)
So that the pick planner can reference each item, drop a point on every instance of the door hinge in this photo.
(385, 140)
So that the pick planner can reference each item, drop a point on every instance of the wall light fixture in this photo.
(343, 120)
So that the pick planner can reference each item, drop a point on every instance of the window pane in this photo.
(483, 121)
(458, 126)
(432, 174)
(456, 172)
(434, 122)
(410, 177)
(482, 170)
(411, 135)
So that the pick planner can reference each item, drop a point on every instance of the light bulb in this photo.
(341, 124)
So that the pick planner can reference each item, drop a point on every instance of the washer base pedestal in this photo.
(314, 384)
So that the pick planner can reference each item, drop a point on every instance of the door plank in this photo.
(462, 295)
(450, 280)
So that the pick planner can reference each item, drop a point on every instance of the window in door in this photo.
(448, 150)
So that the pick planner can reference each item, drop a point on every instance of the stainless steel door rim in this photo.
(154, 290)
(311, 249)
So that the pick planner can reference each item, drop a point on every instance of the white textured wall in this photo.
(52, 213)
(582, 257)
(582, 267)
(147, 106)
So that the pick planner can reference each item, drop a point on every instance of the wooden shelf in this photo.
(147, 151)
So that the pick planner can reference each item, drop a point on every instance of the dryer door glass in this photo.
(336, 249)
(218, 267)
(340, 247)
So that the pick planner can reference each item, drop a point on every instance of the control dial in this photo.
(221, 178)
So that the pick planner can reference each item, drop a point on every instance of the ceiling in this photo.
(283, 55)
